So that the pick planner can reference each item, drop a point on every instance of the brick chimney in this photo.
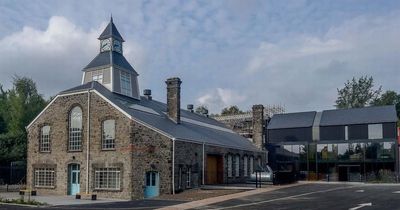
(258, 125)
(174, 99)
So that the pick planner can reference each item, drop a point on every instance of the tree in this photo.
(202, 109)
(357, 93)
(18, 107)
(231, 111)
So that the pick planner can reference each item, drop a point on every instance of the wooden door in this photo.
(212, 170)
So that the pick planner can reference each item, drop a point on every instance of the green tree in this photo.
(357, 93)
(18, 107)
(202, 109)
(231, 111)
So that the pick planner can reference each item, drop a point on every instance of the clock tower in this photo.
(110, 68)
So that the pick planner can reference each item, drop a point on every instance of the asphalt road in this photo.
(320, 196)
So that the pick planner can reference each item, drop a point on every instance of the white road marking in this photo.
(288, 197)
(397, 192)
(359, 191)
(361, 205)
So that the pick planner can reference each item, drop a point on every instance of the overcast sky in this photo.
(294, 53)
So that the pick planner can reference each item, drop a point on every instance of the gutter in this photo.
(173, 166)
(88, 142)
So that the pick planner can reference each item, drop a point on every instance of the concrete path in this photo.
(208, 201)
(53, 200)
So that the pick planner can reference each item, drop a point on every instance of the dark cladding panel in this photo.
(358, 132)
(332, 133)
(389, 130)
(290, 135)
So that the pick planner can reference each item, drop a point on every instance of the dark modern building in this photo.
(339, 145)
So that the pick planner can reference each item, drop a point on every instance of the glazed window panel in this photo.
(44, 144)
(107, 179)
(245, 166)
(229, 163)
(375, 131)
(97, 76)
(251, 165)
(237, 165)
(108, 135)
(126, 87)
(75, 129)
(44, 177)
(189, 177)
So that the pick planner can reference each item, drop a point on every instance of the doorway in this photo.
(73, 179)
(152, 184)
(350, 173)
(214, 173)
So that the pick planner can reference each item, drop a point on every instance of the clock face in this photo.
(105, 45)
(117, 46)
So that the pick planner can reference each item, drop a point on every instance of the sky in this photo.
(293, 53)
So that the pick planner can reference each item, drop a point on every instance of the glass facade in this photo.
(341, 161)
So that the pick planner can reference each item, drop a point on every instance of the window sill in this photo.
(45, 187)
(45, 152)
(111, 149)
(107, 190)
(72, 151)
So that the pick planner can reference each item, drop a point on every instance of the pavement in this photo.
(305, 195)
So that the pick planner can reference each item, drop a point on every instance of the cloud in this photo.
(219, 98)
(53, 57)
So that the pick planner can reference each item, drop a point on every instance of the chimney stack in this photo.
(258, 125)
(147, 94)
(190, 107)
(174, 99)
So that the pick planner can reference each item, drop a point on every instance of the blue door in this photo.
(152, 184)
(74, 179)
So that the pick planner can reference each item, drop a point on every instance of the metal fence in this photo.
(13, 174)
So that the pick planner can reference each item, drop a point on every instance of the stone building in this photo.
(103, 137)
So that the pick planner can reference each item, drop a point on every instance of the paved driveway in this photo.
(320, 196)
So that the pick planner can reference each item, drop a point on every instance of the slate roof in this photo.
(104, 59)
(366, 115)
(292, 120)
(111, 31)
(193, 127)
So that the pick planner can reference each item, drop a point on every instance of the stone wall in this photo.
(57, 116)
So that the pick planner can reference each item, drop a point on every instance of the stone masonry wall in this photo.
(57, 116)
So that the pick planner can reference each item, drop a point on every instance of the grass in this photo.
(22, 201)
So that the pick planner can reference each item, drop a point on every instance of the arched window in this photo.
(229, 163)
(245, 166)
(251, 164)
(237, 165)
(44, 144)
(108, 134)
(75, 129)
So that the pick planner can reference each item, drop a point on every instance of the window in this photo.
(126, 87)
(107, 179)
(97, 76)
(188, 177)
(375, 131)
(108, 134)
(245, 167)
(346, 132)
(75, 129)
(44, 144)
(44, 177)
(237, 164)
(229, 162)
(251, 165)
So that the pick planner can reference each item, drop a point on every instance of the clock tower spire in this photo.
(110, 68)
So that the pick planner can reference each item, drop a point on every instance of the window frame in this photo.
(44, 140)
(104, 140)
(44, 177)
(103, 176)
(99, 74)
(188, 177)
(75, 136)
(375, 131)
(124, 77)
(237, 165)
(229, 164)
